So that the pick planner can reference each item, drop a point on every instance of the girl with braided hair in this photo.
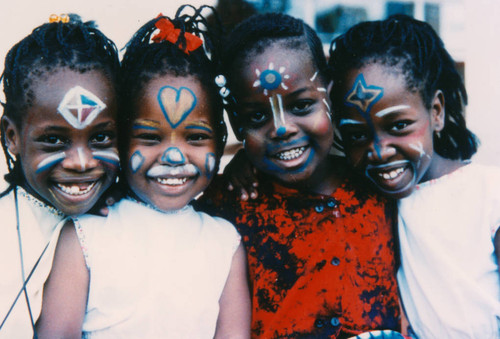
(155, 268)
(319, 244)
(59, 137)
(399, 104)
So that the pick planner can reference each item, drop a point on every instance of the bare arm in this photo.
(234, 314)
(241, 175)
(66, 290)
(497, 248)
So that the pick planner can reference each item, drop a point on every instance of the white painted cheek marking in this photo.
(328, 110)
(110, 156)
(50, 161)
(391, 109)
(321, 89)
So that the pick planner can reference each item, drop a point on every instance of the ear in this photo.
(437, 111)
(11, 134)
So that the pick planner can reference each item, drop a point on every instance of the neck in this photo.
(441, 166)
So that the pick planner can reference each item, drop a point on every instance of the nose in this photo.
(283, 126)
(79, 159)
(173, 157)
(380, 150)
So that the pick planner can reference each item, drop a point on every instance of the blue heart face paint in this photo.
(386, 129)
(67, 143)
(284, 115)
(174, 135)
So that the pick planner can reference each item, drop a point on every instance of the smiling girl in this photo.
(400, 104)
(59, 137)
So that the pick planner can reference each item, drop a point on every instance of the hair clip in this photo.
(64, 18)
(220, 80)
(168, 32)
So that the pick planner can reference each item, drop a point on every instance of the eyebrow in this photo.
(391, 109)
(349, 122)
(200, 125)
(145, 124)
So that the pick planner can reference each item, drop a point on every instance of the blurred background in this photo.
(470, 30)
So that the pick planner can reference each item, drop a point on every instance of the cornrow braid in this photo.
(76, 45)
(416, 50)
(144, 60)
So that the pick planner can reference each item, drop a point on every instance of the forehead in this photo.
(175, 98)
(376, 74)
(50, 89)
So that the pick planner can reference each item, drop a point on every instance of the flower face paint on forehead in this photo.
(270, 79)
(80, 107)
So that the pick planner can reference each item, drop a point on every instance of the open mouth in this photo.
(76, 189)
(394, 177)
(291, 154)
(172, 181)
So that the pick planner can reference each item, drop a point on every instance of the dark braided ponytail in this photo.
(415, 49)
(74, 44)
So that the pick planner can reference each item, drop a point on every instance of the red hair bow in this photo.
(170, 33)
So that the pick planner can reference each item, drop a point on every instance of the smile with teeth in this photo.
(171, 181)
(291, 154)
(392, 174)
(75, 189)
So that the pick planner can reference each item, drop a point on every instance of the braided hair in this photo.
(415, 49)
(253, 35)
(145, 60)
(75, 45)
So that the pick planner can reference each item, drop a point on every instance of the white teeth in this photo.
(171, 181)
(291, 154)
(75, 189)
(392, 174)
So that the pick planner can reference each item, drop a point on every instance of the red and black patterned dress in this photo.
(320, 266)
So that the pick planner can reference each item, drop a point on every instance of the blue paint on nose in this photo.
(281, 131)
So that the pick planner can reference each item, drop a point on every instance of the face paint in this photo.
(363, 97)
(145, 124)
(388, 110)
(399, 168)
(314, 76)
(80, 107)
(159, 171)
(173, 156)
(108, 156)
(210, 164)
(278, 114)
(271, 149)
(81, 157)
(176, 104)
(136, 161)
(200, 125)
(271, 79)
(50, 161)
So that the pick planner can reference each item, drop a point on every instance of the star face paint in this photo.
(57, 152)
(287, 129)
(386, 129)
(80, 107)
(172, 148)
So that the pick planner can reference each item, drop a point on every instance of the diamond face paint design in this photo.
(80, 107)
(50, 161)
(173, 156)
(107, 156)
(210, 164)
(271, 79)
(176, 104)
(136, 161)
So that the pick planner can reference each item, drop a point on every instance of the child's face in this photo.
(283, 114)
(172, 149)
(386, 129)
(66, 144)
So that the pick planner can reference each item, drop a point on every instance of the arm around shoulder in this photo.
(66, 290)
(235, 309)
